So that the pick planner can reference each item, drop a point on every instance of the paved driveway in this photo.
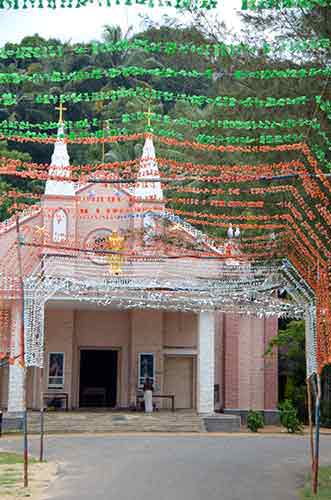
(177, 467)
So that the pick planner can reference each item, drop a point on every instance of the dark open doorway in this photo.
(98, 378)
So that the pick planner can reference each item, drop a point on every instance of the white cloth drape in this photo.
(148, 398)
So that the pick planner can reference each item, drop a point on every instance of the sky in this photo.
(86, 23)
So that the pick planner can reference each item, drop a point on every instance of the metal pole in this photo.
(42, 414)
(311, 427)
(25, 433)
(41, 450)
(25, 412)
(317, 434)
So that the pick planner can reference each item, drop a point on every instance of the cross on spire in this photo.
(149, 115)
(61, 108)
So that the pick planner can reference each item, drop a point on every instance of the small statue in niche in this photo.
(150, 230)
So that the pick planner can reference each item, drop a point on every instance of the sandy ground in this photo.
(40, 476)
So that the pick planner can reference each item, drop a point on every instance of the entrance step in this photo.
(222, 423)
(94, 422)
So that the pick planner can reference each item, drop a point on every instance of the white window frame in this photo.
(49, 384)
(140, 354)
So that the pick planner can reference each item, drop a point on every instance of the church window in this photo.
(60, 225)
(146, 367)
(56, 370)
(98, 243)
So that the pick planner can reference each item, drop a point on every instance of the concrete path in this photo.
(194, 467)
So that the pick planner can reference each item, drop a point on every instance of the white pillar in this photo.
(310, 333)
(16, 372)
(206, 363)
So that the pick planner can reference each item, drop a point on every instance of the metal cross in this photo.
(61, 108)
(149, 114)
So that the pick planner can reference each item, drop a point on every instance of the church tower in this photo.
(60, 168)
(148, 187)
(59, 200)
(148, 194)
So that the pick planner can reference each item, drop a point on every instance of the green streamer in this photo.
(208, 51)
(77, 4)
(50, 125)
(267, 74)
(8, 99)
(262, 139)
(200, 138)
(157, 95)
(227, 124)
(99, 73)
(287, 123)
(10, 134)
(15, 78)
(283, 4)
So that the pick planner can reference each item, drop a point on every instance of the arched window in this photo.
(60, 225)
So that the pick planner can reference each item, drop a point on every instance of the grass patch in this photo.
(7, 479)
(11, 471)
(13, 458)
(11, 477)
(324, 486)
(10, 458)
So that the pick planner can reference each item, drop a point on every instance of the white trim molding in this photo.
(55, 385)
(140, 354)
(206, 363)
(175, 351)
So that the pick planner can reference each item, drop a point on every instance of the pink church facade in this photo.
(98, 354)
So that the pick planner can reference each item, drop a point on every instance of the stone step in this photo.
(115, 422)
(103, 422)
(222, 423)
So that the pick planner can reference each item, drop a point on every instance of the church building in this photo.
(115, 292)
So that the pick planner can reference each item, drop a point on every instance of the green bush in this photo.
(289, 417)
(255, 420)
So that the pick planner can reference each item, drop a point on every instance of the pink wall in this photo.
(97, 215)
(131, 332)
(251, 363)
(231, 361)
(180, 329)
(219, 356)
(250, 379)
(146, 336)
(270, 367)
(59, 327)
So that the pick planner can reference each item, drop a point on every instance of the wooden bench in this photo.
(57, 395)
(160, 396)
(98, 395)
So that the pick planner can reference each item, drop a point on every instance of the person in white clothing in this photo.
(148, 395)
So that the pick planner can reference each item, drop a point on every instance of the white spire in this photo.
(60, 167)
(148, 170)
